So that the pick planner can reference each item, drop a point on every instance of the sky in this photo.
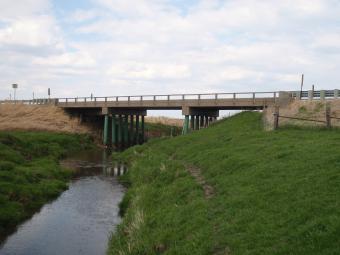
(133, 47)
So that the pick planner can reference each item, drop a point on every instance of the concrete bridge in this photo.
(123, 116)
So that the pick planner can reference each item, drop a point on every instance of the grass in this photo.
(161, 130)
(30, 174)
(274, 192)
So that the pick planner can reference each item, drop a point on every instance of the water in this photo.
(81, 220)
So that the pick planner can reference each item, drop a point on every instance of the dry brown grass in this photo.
(38, 118)
(315, 110)
(165, 121)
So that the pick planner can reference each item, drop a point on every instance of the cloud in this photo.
(156, 46)
(39, 31)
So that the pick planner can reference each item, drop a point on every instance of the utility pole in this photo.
(302, 78)
(14, 86)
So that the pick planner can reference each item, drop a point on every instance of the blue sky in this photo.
(126, 47)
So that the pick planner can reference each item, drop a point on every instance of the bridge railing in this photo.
(171, 97)
(321, 94)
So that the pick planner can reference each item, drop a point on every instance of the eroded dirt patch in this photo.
(196, 173)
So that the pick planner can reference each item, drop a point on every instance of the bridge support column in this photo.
(137, 130)
(106, 130)
(192, 122)
(186, 125)
(126, 131)
(197, 122)
(120, 131)
(143, 130)
(131, 137)
(201, 121)
(114, 130)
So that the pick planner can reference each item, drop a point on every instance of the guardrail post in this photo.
(336, 93)
(253, 98)
(216, 96)
(234, 95)
(322, 95)
(154, 98)
(168, 97)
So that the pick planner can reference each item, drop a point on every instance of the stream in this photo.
(81, 219)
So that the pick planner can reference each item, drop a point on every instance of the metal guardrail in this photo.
(322, 94)
(141, 98)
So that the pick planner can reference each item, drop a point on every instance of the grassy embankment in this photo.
(161, 130)
(30, 174)
(274, 192)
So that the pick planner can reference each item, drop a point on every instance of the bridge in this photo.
(123, 116)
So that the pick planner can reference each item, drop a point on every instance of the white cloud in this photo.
(136, 47)
(36, 31)
(74, 60)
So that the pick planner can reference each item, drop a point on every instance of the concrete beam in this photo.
(127, 111)
(212, 112)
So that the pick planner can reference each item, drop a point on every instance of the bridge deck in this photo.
(217, 101)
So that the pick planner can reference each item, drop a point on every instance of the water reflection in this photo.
(81, 220)
(82, 167)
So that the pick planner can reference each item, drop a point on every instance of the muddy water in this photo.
(81, 220)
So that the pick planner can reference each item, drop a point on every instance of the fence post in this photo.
(328, 116)
(322, 95)
(276, 118)
(310, 94)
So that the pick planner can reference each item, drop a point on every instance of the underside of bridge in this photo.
(123, 127)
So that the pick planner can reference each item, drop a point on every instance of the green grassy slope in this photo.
(161, 130)
(29, 172)
(274, 192)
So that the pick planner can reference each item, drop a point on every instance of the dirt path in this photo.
(196, 173)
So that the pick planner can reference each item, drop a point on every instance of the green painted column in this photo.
(114, 130)
(201, 121)
(120, 130)
(106, 130)
(186, 125)
(126, 130)
(197, 122)
(192, 122)
(143, 130)
(137, 130)
(206, 121)
(131, 130)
